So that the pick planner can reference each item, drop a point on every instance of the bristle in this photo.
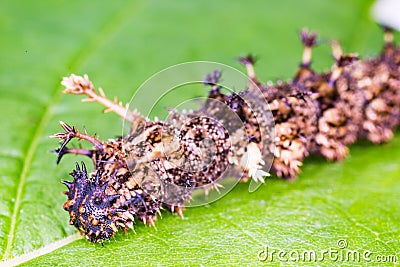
(67, 184)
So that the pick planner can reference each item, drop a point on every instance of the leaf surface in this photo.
(122, 43)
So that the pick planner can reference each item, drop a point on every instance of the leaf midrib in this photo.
(107, 30)
(25, 168)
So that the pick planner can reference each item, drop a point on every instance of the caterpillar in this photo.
(159, 164)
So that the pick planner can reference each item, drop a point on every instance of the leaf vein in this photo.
(78, 61)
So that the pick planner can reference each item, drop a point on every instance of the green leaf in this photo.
(122, 43)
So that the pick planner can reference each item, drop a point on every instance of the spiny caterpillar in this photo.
(159, 164)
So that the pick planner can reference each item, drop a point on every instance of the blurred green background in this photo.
(120, 44)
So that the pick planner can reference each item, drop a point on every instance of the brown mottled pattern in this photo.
(159, 164)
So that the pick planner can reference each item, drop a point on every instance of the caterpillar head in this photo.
(89, 208)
